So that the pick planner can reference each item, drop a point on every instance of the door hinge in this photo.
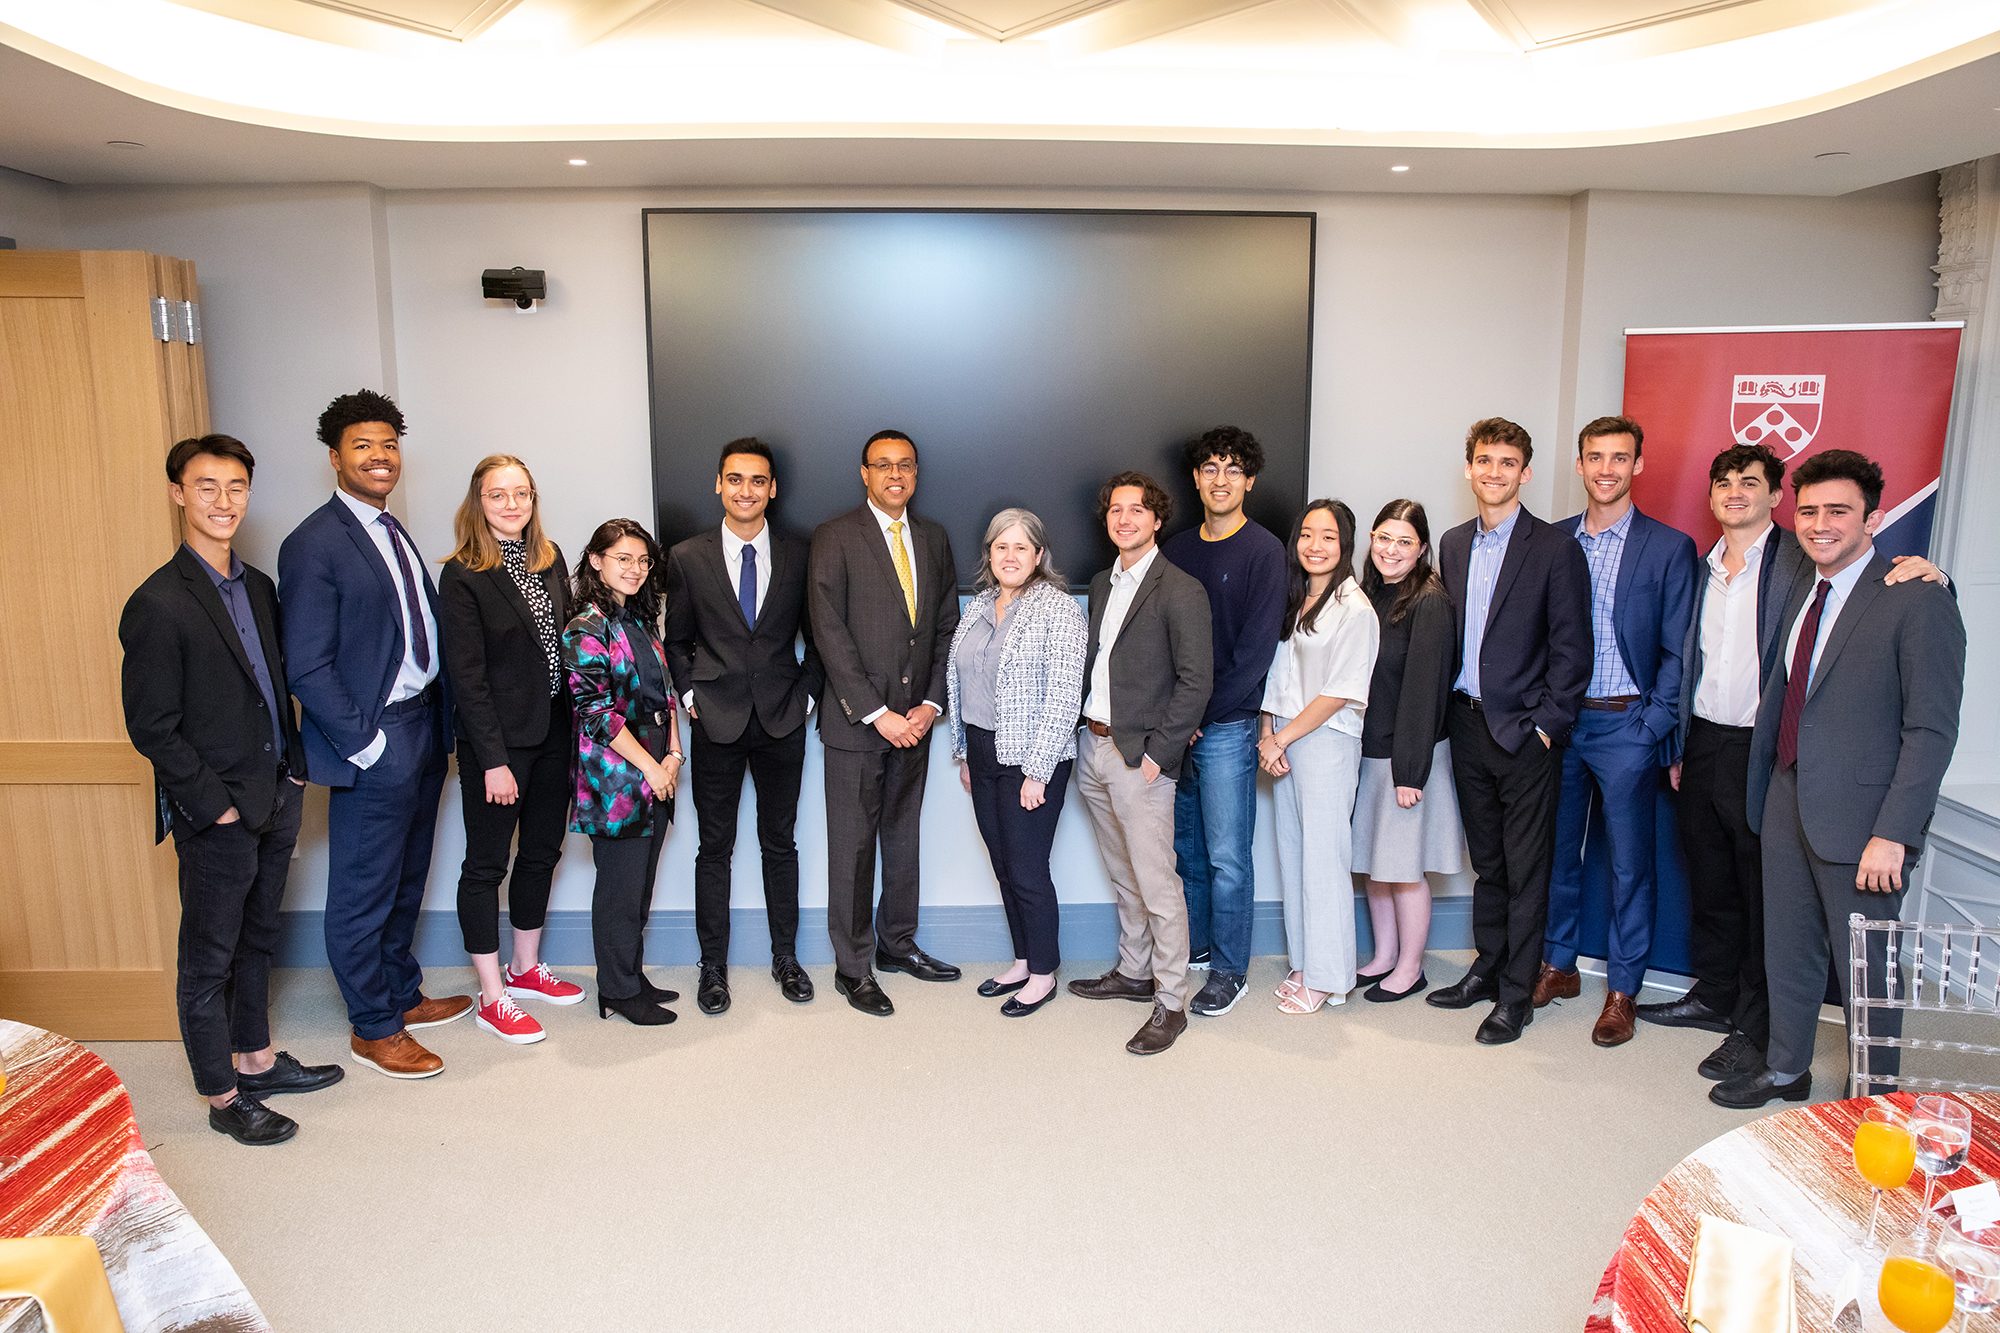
(176, 321)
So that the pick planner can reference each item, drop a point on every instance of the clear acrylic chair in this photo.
(1938, 969)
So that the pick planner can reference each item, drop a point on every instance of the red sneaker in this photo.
(504, 1019)
(538, 983)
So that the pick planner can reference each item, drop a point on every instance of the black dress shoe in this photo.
(1748, 1091)
(1380, 994)
(1472, 989)
(248, 1120)
(1737, 1055)
(992, 988)
(1686, 1012)
(1504, 1024)
(792, 979)
(863, 993)
(918, 964)
(712, 991)
(652, 994)
(288, 1075)
(1014, 1008)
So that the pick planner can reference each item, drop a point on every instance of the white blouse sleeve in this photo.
(1350, 659)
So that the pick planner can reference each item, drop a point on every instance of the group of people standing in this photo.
(1484, 696)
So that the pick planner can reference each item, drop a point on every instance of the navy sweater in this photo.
(1245, 577)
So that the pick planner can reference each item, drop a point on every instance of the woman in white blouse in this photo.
(1313, 704)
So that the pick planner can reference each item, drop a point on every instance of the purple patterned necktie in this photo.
(417, 632)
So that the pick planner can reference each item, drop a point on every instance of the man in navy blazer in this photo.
(1521, 593)
(1642, 579)
(362, 643)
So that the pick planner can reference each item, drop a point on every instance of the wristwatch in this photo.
(676, 754)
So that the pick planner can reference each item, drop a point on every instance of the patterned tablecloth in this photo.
(1791, 1174)
(85, 1172)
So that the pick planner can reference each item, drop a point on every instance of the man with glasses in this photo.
(1215, 806)
(883, 598)
(207, 704)
(362, 639)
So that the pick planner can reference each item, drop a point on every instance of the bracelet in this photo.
(676, 756)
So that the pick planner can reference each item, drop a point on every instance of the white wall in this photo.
(30, 211)
(1431, 311)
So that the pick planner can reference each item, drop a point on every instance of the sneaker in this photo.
(1736, 1055)
(504, 1019)
(1198, 962)
(538, 983)
(1220, 995)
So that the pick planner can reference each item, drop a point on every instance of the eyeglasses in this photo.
(897, 467)
(1209, 472)
(642, 563)
(1383, 541)
(520, 496)
(208, 492)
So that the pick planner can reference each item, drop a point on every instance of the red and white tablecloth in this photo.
(1791, 1174)
(85, 1172)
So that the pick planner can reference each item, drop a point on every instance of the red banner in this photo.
(1881, 390)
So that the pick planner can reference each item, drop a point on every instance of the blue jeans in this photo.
(1215, 819)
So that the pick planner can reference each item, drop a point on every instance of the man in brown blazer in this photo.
(884, 606)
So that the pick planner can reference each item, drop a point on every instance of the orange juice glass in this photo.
(1885, 1153)
(1916, 1294)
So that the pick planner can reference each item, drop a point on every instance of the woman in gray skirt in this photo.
(1405, 814)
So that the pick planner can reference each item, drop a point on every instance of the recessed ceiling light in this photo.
(1828, 157)
(579, 162)
(126, 144)
(1399, 168)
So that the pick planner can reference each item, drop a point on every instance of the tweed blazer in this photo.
(612, 799)
(1040, 683)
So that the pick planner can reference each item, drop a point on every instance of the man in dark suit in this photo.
(1745, 583)
(1147, 676)
(206, 703)
(736, 601)
(884, 607)
(1641, 592)
(1521, 592)
(1856, 726)
(361, 637)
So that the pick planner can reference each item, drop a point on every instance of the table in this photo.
(86, 1172)
(1791, 1174)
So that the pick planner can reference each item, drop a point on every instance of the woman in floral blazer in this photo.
(628, 755)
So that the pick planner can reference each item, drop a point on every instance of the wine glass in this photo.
(1884, 1153)
(1916, 1295)
(1943, 1131)
(1972, 1257)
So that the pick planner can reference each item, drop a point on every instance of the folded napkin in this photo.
(65, 1274)
(1739, 1281)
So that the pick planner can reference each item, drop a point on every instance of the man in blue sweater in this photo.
(1215, 809)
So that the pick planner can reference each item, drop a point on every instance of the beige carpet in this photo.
(1368, 1167)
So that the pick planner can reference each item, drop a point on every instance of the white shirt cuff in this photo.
(366, 758)
(869, 721)
(934, 707)
(687, 700)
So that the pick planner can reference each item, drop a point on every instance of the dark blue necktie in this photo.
(417, 632)
(746, 585)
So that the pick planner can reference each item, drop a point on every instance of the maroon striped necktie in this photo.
(1799, 678)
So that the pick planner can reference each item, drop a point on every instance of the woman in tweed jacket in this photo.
(1015, 685)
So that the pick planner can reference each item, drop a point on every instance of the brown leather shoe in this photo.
(1159, 1031)
(1556, 984)
(1113, 985)
(397, 1055)
(429, 1013)
(1614, 1025)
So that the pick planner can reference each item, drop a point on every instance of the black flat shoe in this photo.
(1015, 1009)
(993, 987)
(1370, 978)
(918, 964)
(712, 993)
(288, 1075)
(865, 994)
(1381, 994)
(792, 979)
(635, 1009)
(248, 1120)
(656, 995)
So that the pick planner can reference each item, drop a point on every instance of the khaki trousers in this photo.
(1134, 824)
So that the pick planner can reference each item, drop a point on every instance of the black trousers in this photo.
(1725, 866)
(776, 765)
(1018, 843)
(541, 812)
(871, 795)
(623, 896)
(232, 881)
(1508, 805)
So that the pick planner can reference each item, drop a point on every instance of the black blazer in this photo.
(1535, 656)
(493, 654)
(1162, 666)
(873, 656)
(192, 705)
(735, 668)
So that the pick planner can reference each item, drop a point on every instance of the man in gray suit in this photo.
(1147, 675)
(883, 599)
(1856, 725)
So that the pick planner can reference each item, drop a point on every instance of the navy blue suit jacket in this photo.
(344, 637)
(1650, 609)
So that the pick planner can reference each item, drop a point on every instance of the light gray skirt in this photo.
(1396, 846)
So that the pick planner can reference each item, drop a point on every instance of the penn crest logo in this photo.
(1780, 412)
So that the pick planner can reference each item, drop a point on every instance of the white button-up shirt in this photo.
(1836, 598)
(1726, 692)
(732, 560)
(410, 678)
(1124, 587)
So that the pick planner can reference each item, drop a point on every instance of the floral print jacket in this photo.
(612, 800)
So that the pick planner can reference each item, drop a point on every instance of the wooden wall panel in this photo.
(93, 903)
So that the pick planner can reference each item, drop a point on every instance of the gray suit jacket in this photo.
(1162, 665)
(1880, 722)
(1783, 573)
(873, 656)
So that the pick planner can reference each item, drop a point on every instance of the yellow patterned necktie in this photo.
(903, 575)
